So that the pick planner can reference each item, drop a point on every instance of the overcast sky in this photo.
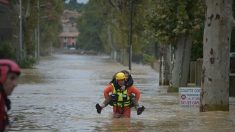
(82, 1)
(79, 1)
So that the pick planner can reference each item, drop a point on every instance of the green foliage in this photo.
(49, 22)
(27, 62)
(153, 21)
(197, 51)
(148, 59)
(233, 41)
(172, 89)
(197, 31)
(29, 24)
(233, 32)
(7, 50)
(48, 14)
(50, 25)
(142, 41)
(96, 23)
(73, 5)
(197, 46)
(172, 18)
(163, 20)
(91, 24)
(13, 2)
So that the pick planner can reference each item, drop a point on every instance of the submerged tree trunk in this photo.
(182, 60)
(165, 61)
(216, 46)
(112, 49)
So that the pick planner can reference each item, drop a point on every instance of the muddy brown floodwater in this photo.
(60, 94)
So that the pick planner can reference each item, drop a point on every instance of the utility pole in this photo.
(20, 36)
(38, 30)
(130, 33)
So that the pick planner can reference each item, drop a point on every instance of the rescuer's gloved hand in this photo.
(114, 97)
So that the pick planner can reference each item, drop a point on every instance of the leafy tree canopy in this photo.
(73, 5)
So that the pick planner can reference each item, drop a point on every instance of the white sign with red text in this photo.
(189, 96)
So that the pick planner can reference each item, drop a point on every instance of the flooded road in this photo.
(60, 94)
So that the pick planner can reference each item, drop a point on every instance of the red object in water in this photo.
(7, 66)
(3, 113)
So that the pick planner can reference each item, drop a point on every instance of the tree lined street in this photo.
(48, 100)
(177, 51)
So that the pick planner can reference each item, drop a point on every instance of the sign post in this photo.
(189, 96)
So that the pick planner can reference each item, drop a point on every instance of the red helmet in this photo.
(7, 66)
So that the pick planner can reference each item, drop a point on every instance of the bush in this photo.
(27, 62)
(148, 59)
(7, 50)
(172, 89)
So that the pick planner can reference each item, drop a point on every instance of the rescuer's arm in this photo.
(135, 91)
(108, 90)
